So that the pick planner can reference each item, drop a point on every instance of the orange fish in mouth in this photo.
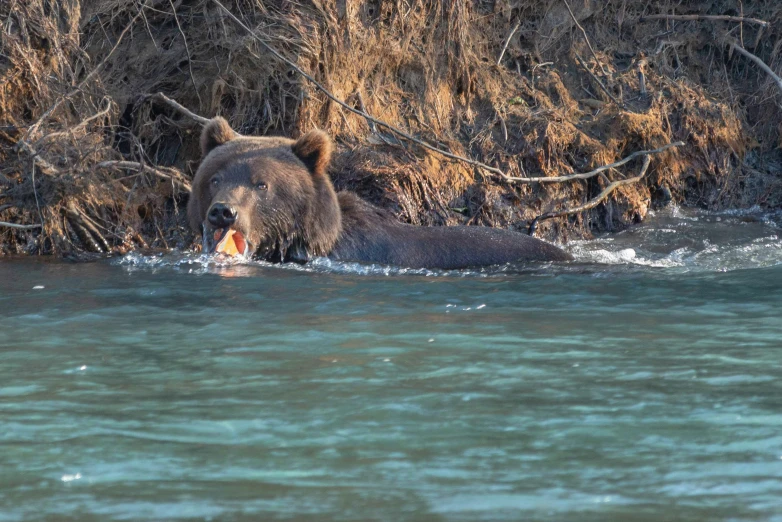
(230, 242)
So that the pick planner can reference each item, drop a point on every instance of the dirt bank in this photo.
(90, 163)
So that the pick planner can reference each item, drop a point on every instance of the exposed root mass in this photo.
(93, 159)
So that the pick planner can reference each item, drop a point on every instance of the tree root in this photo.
(86, 230)
(167, 173)
(592, 203)
(79, 88)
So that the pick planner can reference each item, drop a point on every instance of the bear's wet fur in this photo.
(282, 201)
(297, 211)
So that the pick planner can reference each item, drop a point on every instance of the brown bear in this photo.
(273, 198)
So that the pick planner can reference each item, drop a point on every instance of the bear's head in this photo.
(272, 195)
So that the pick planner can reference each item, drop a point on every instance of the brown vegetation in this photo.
(90, 162)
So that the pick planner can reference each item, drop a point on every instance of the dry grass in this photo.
(426, 67)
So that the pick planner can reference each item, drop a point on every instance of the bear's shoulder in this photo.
(358, 213)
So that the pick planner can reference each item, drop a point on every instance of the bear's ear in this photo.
(314, 149)
(215, 133)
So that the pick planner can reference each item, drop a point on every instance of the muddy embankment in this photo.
(89, 162)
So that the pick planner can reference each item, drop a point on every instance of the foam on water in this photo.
(691, 241)
(202, 264)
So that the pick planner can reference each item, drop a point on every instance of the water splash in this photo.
(674, 239)
(687, 240)
(204, 264)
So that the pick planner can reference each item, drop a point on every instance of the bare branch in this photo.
(760, 63)
(688, 18)
(507, 41)
(586, 38)
(18, 227)
(592, 173)
(592, 203)
(179, 108)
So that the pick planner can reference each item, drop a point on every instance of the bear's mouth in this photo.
(226, 241)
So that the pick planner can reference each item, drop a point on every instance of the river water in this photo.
(642, 382)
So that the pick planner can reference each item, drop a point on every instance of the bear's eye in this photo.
(215, 182)
(261, 185)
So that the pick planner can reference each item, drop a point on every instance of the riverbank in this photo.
(92, 161)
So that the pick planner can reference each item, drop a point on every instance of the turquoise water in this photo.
(643, 382)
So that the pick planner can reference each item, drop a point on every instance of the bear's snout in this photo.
(221, 215)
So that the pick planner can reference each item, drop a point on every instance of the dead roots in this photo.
(445, 112)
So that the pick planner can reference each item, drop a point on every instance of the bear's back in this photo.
(372, 235)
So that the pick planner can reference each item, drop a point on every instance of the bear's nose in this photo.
(221, 215)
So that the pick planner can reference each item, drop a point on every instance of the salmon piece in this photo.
(232, 244)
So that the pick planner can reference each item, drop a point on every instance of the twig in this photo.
(760, 63)
(758, 37)
(172, 174)
(642, 63)
(741, 25)
(34, 127)
(162, 236)
(187, 50)
(704, 17)
(534, 68)
(503, 126)
(19, 227)
(372, 126)
(69, 130)
(46, 167)
(35, 193)
(592, 203)
(146, 23)
(168, 101)
(507, 41)
(600, 83)
(662, 44)
(641, 81)
(344, 105)
(544, 64)
(30, 65)
(590, 174)
(586, 38)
